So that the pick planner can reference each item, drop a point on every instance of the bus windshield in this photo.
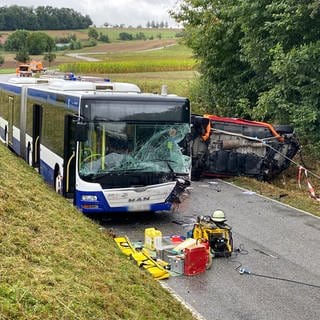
(121, 147)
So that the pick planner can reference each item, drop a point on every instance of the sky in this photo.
(127, 12)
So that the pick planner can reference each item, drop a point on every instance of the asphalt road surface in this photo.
(278, 245)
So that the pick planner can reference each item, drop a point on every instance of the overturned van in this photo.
(225, 147)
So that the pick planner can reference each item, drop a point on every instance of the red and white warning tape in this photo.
(310, 187)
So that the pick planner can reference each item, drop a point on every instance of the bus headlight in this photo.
(89, 197)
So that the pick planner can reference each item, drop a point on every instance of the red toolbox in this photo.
(195, 259)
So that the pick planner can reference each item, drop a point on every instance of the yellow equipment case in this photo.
(219, 236)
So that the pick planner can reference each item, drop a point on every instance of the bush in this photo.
(75, 45)
(125, 36)
(93, 33)
(180, 34)
(140, 36)
(104, 38)
(90, 43)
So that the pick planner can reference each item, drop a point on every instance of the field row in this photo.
(128, 66)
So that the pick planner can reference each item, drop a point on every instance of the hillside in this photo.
(57, 264)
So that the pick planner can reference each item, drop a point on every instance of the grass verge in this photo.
(177, 82)
(7, 70)
(284, 188)
(57, 264)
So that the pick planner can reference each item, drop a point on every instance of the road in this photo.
(279, 245)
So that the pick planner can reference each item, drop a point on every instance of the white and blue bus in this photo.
(106, 145)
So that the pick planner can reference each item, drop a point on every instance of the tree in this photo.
(213, 32)
(248, 49)
(15, 17)
(22, 56)
(93, 33)
(125, 36)
(39, 42)
(295, 96)
(1, 60)
(50, 57)
(41, 18)
(16, 40)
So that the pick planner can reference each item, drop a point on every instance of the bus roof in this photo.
(87, 89)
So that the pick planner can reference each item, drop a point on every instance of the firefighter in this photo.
(218, 217)
(215, 230)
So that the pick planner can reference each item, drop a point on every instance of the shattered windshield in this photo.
(116, 147)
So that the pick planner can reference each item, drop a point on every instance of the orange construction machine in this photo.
(27, 69)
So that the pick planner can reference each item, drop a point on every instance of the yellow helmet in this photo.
(218, 216)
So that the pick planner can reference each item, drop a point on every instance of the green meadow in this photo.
(172, 65)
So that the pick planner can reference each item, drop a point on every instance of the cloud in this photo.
(128, 12)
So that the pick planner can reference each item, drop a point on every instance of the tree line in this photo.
(24, 43)
(259, 59)
(41, 18)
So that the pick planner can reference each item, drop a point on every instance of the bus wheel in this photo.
(58, 184)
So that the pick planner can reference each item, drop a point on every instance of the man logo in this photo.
(139, 199)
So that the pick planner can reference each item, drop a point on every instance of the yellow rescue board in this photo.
(142, 258)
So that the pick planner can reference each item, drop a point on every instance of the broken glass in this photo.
(119, 147)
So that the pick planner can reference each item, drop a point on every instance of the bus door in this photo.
(69, 156)
(10, 121)
(36, 134)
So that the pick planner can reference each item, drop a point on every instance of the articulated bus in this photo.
(106, 145)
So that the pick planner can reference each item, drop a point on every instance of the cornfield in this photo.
(128, 66)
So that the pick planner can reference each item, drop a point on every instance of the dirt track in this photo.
(132, 45)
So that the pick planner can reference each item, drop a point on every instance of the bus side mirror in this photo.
(82, 132)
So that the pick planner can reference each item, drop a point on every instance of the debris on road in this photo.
(165, 256)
